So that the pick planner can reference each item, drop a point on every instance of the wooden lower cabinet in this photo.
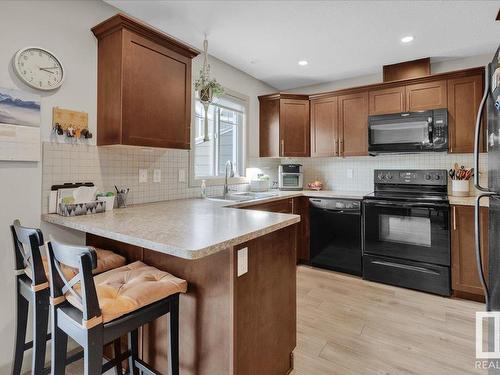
(283, 206)
(297, 206)
(301, 207)
(464, 275)
(265, 312)
(229, 324)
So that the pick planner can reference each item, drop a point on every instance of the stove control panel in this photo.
(411, 177)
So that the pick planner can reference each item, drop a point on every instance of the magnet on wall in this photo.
(73, 124)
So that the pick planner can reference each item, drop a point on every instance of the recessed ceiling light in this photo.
(407, 39)
(303, 63)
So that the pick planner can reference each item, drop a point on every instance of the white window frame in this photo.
(195, 181)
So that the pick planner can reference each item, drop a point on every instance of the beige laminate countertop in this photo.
(188, 228)
(302, 193)
(195, 228)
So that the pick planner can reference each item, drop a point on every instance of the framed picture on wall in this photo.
(19, 126)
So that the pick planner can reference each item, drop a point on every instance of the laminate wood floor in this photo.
(347, 325)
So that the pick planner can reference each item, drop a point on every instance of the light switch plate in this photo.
(242, 261)
(182, 175)
(349, 173)
(143, 176)
(157, 175)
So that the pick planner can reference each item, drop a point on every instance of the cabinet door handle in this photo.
(454, 217)
(341, 151)
(282, 147)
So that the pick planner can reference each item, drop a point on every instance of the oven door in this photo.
(404, 230)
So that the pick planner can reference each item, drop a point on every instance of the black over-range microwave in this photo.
(408, 132)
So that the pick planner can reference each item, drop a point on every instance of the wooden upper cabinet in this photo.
(144, 86)
(464, 274)
(284, 128)
(464, 96)
(294, 127)
(353, 124)
(269, 127)
(390, 100)
(427, 95)
(324, 127)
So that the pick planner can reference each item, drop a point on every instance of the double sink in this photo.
(244, 196)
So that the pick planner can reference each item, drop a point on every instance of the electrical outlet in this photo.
(242, 261)
(349, 173)
(182, 175)
(157, 175)
(143, 176)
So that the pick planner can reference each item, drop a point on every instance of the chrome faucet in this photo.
(231, 174)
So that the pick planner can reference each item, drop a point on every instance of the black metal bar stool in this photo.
(32, 287)
(98, 310)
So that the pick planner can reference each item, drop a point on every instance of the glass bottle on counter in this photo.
(203, 188)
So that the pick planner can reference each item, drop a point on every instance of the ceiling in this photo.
(339, 39)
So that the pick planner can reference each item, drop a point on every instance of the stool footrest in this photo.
(113, 362)
(144, 368)
(72, 358)
(28, 345)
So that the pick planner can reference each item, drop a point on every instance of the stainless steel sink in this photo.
(244, 196)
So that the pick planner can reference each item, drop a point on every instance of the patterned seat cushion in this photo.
(106, 260)
(128, 288)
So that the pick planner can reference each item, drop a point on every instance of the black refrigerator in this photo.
(489, 115)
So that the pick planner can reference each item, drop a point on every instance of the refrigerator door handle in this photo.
(477, 242)
(477, 134)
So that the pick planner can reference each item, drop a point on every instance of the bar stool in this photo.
(98, 310)
(32, 287)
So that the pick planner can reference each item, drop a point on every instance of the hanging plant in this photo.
(208, 88)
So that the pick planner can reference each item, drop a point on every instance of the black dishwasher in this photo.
(336, 234)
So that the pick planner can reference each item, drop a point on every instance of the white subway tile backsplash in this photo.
(109, 166)
(333, 171)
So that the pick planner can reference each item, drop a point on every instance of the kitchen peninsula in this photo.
(231, 321)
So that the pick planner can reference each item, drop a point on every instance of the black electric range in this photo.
(406, 238)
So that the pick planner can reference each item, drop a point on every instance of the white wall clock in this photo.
(38, 68)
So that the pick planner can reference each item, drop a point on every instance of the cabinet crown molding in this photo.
(383, 85)
(121, 21)
(283, 95)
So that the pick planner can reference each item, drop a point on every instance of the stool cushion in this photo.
(106, 260)
(128, 288)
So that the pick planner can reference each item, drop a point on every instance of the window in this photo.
(226, 129)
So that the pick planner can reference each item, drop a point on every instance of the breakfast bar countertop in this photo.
(187, 228)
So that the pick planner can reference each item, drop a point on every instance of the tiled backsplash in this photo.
(119, 165)
(110, 166)
(335, 173)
